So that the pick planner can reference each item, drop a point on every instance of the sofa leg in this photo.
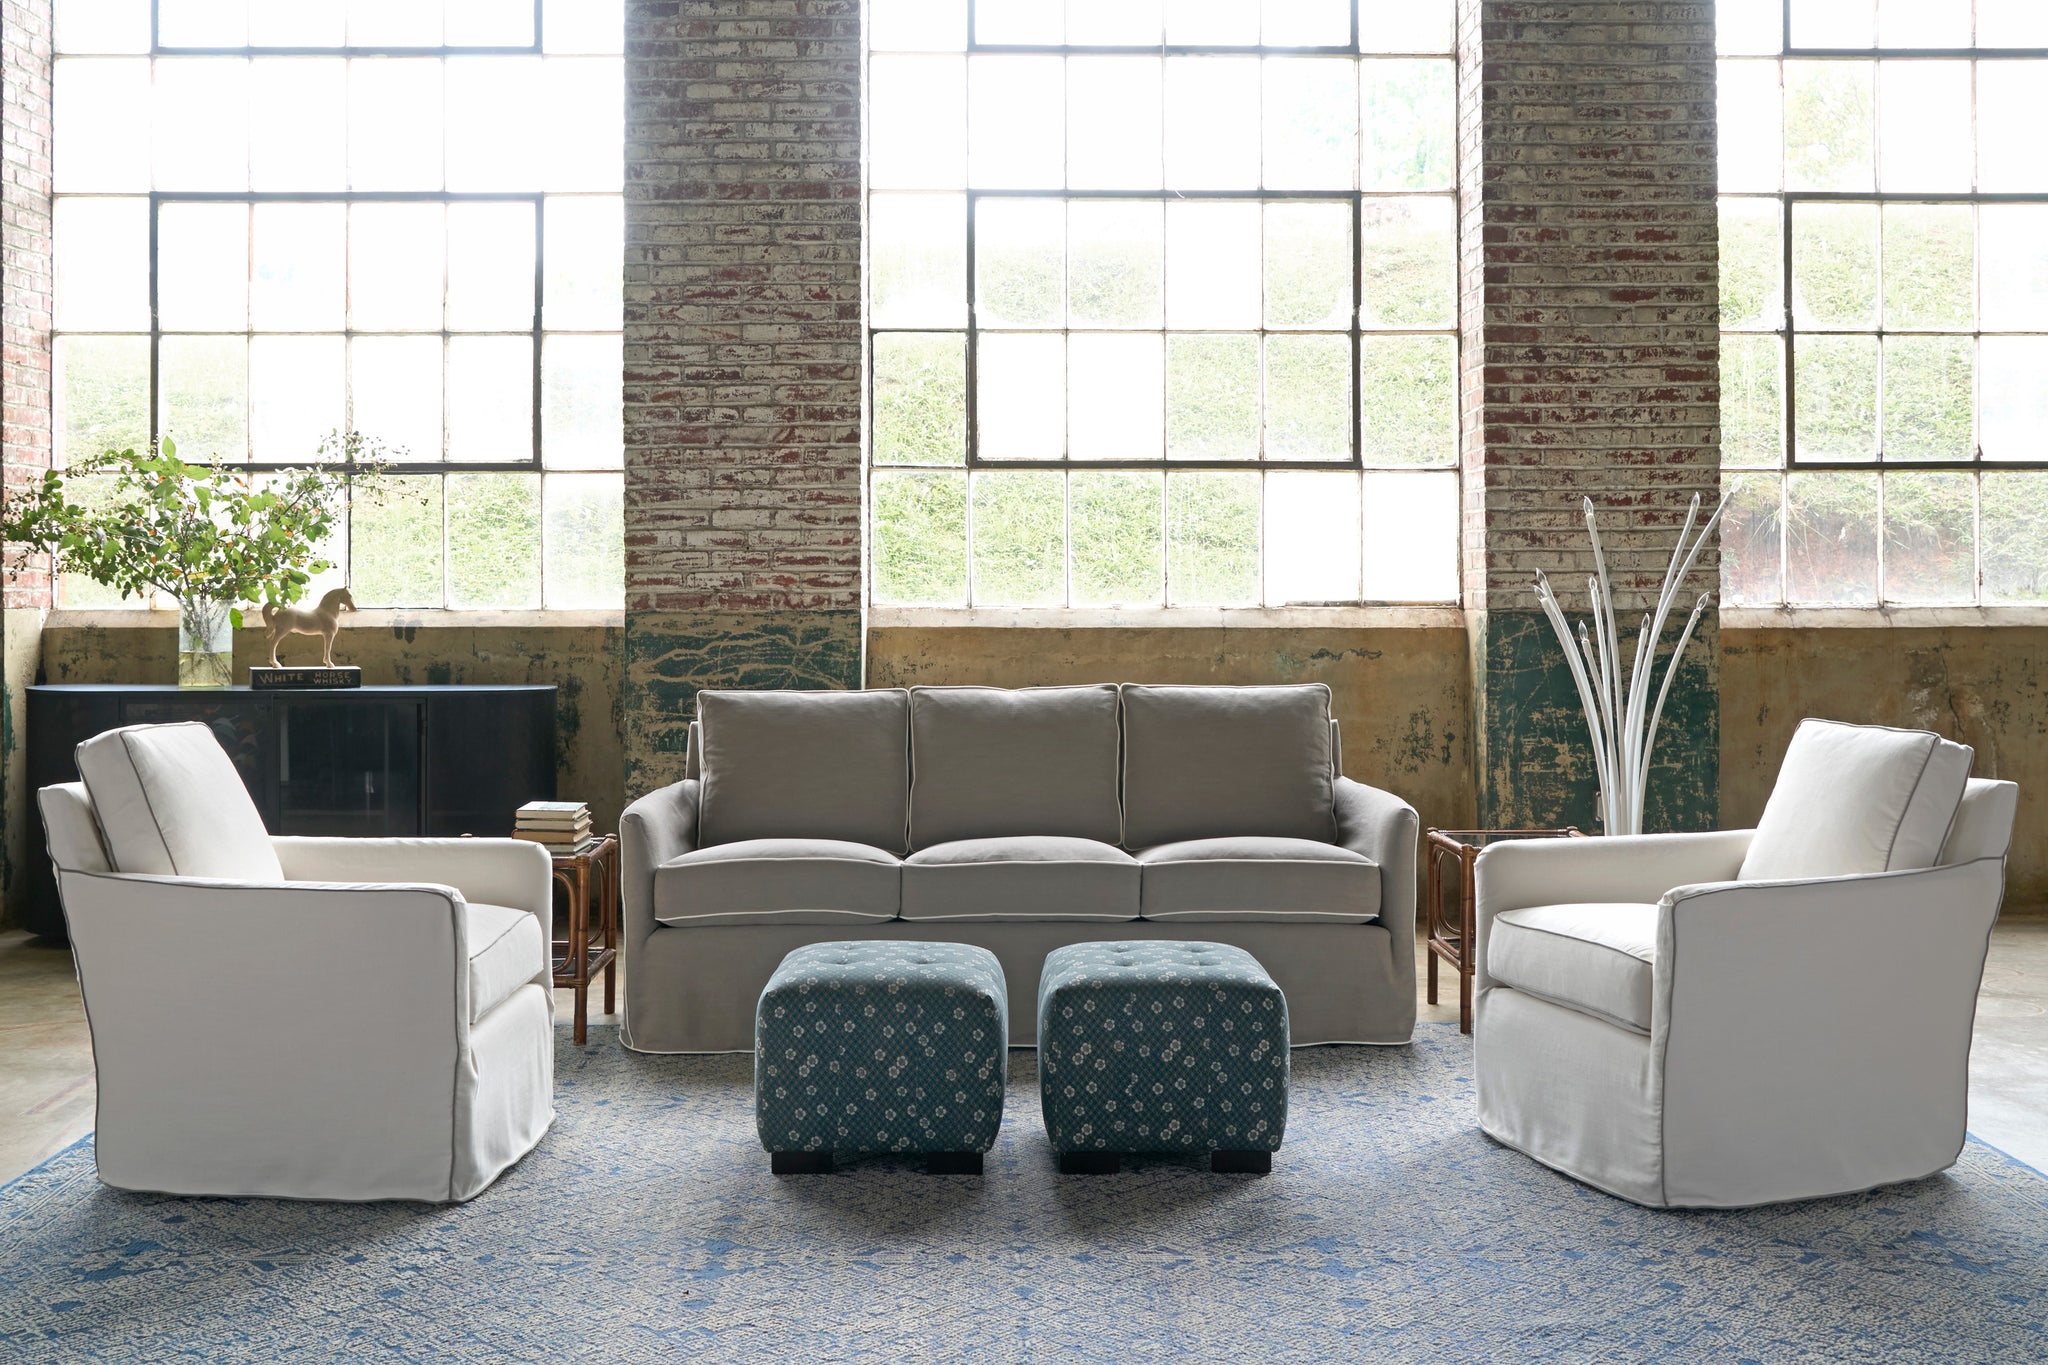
(952, 1163)
(1090, 1163)
(1241, 1163)
(800, 1163)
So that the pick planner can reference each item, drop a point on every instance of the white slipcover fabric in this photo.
(171, 804)
(1593, 958)
(503, 944)
(1858, 798)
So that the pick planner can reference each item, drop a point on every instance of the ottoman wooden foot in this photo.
(800, 1163)
(1241, 1163)
(952, 1163)
(1090, 1163)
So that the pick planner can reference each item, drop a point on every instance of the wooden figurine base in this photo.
(266, 679)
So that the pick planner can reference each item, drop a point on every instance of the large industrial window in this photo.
(274, 221)
(1162, 303)
(1884, 301)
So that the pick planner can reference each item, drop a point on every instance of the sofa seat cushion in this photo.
(1259, 878)
(1596, 958)
(778, 881)
(1024, 877)
(505, 952)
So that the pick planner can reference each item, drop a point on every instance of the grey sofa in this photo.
(1019, 821)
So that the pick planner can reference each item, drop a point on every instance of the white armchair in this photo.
(1749, 1016)
(295, 1017)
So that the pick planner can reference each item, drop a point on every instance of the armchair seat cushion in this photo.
(1597, 959)
(1262, 878)
(1031, 877)
(505, 952)
(778, 881)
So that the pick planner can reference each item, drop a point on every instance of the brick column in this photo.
(1591, 369)
(742, 357)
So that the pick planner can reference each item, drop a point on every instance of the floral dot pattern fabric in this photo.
(863, 1048)
(1149, 1046)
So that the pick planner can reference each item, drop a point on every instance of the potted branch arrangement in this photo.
(205, 535)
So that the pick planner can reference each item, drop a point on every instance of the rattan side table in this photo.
(590, 877)
(1447, 937)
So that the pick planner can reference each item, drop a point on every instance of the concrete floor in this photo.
(46, 1089)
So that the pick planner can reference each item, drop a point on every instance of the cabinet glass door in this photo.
(349, 768)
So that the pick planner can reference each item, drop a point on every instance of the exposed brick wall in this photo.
(25, 259)
(743, 305)
(1589, 263)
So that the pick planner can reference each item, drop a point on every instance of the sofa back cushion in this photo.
(170, 804)
(1217, 762)
(993, 762)
(805, 765)
(1856, 799)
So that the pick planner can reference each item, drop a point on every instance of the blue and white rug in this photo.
(647, 1228)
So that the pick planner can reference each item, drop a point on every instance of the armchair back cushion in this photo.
(1857, 799)
(1227, 762)
(171, 804)
(805, 765)
(992, 762)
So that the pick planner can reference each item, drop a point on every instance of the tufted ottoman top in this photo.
(1133, 962)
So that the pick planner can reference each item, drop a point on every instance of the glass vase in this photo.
(206, 642)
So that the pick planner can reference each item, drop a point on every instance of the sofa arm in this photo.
(509, 872)
(659, 826)
(1383, 827)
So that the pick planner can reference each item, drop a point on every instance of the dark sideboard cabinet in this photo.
(364, 762)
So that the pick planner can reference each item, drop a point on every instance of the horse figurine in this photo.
(281, 623)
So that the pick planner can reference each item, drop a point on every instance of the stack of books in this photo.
(558, 826)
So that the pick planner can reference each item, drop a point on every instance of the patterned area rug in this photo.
(647, 1228)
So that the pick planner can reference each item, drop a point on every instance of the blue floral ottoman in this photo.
(1157, 1046)
(864, 1048)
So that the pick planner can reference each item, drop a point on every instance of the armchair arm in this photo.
(1383, 827)
(659, 826)
(509, 872)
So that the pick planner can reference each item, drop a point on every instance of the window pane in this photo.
(302, 23)
(203, 395)
(1752, 270)
(1930, 538)
(1310, 123)
(920, 526)
(584, 540)
(1923, 23)
(1018, 21)
(2012, 107)
(917, 122)
(493, 540)
(917, 259)
(1752, 142)
(917, 25)
(395, 275)
(2014, 424)
(1834, 23)
(1308, 397)
(1829, 126)
(1113, 122)
(299, 141)
(585, 26)
(1116, 252)
(1749, 26)
(490, 267)
(2015, 537)
(1212, 394)
(497, 23)
(1021, 397)
(1926, 110)
(1114, 22)
(1212, 540)
(395, 394)
(1408, 124)
(102, 395)
(1408, 400)
(490, 398)
(1020, 544)
(76, 590)
(203, 267)
(2015, 266)
(1312, 538)
(394, 23)
(1308, 260)
(297, 283)
(586, 237)
(199, 123)
(103, 26)
(395, 536)
(1411, 537)
(1930, 258)
(1019, 262)
(494, 122)
(920, 398)
(582, 123)
(1751, 554)
(101, 264)
(1752, 401)
(581, 408)
(1214, 22)
(1305, 23)
(1212, 265)
(202, 23)
(295, 395)
(1117, 539)
(1927, 386)
(1835, 379)
(1003, 149)
(1116, 388)
(1408, 258)
(1831, 539)
(1212, 123)
(394, 123)
(2012, 23)
(1834, 265)
(97, 107)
